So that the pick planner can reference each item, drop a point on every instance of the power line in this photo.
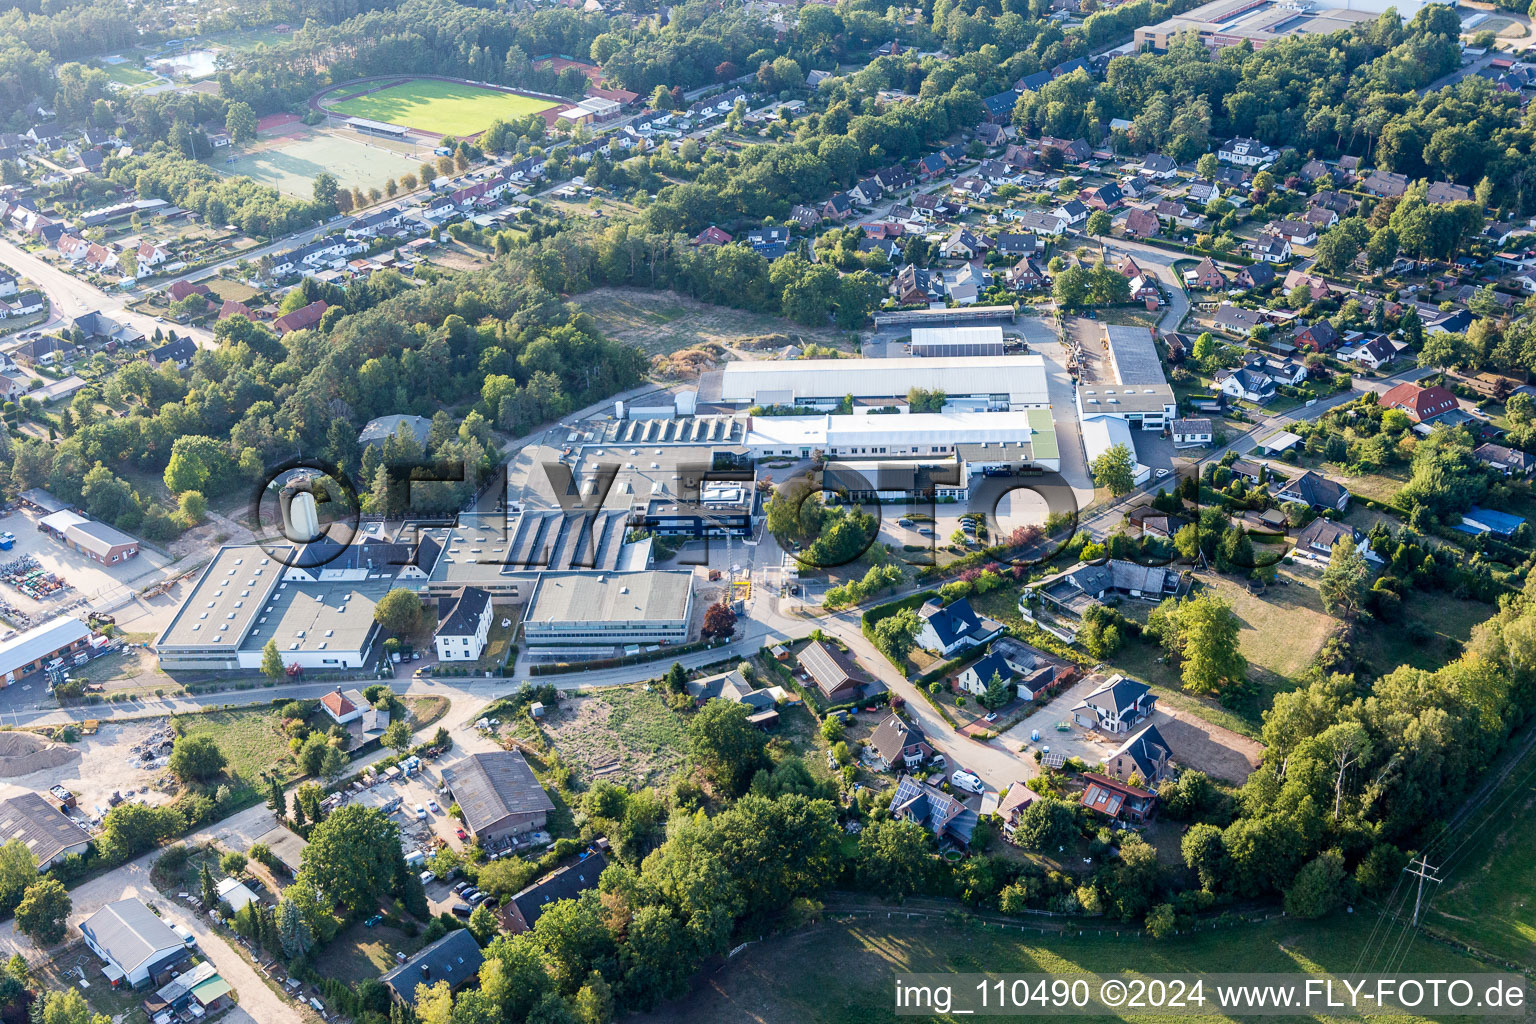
(1425, 872)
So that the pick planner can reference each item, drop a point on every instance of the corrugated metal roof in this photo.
(488, 787)
(1021, 377)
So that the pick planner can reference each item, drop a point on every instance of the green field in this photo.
(1488, 899)
(126, 74)
(842, 973)
(447, 108)
(291, 165)
(251, 739)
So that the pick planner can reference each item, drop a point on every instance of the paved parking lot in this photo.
(91, 583)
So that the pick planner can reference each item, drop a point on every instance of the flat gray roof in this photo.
(315, 617)
(1134, 354)
(224, 603)
(655, 595)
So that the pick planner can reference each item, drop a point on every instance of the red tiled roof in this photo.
(1419, 403)
(299, 319)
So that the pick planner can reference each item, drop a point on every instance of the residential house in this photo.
(1178, 213)
(1238, 319)
(373, 224)
(1253, 472)
(732, 686)
(180, 291)
(455, 958)
(1159, 167)
(952, 628)
(176, 353)
(232, 307)
(1245, 152)
(1118, 706)
(1420, 403)
(1385, 184)
(463, 625)
(1297, 232)
(1042, 223)
(72, 247)
(971, 186)
(1209, 275)
(1319, 337)
(1269, 249)
(832, 672)
(1192, 433)
(1316, 491)
(1316, 286)
(713, 235)
(135, 943)
(1179, 346)
(1335, 202)
(1020, 157)
(897, 743)
(1145, 757)
(968, 284)
(1075, 151)
(1012, 806)
(1074, 211)
(1118, 801)
(915, 286)
(894, 178)
(1318, 539)
(946, 815)
(1442, 192)
(866, 192)
(998, 109)
(1255, 275)
(1030, 672)
(1027, 275)
(1376, 353)
(1509, 461)
(300, 319)
(807, 216)
(1016, 243)
(1246, 384)
(523, 910)
(1142, 224)
(931, 166)
(343, 705)
(1144, 289)
(1104, 197)
(963, 245)
(1320, 218)
(147, 257)
(1202, 192)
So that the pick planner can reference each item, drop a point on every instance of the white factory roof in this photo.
(924, 428)
(1101, 433)
(1022, 378)
(986, 334)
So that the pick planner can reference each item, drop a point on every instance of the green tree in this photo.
(482, 924)
(400, 612)
(327, 190)
(65, 1007)
(18, 869)
(896, 634)
(1203, 632)
(1115, 470)
(272, 661)
(232, 863)
(196, 759)
(43, 912)
(240, 123)
(1099, 223)
(727, 747)
(594, 1002)
(397, 736)
(894, 858)
(354, 857)
(1046, 825)
(1161, 921)
(195, 462)
(1346, 581)
(1318, 888)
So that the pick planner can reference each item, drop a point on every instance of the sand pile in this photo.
(22, 753)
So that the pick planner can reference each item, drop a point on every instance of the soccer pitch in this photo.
(446, 108)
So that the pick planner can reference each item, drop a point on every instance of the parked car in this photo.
(432, 804)
(463, 910)
(421, 813)
(460, 888)
(463, 836)
(428, 877)
(478, 898)
(992, 716)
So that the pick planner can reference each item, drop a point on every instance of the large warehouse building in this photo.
(922, 436)
(1224, 23)
(982, 384)
(609, 609)
(1135, 389)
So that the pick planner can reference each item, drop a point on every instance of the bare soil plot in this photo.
(623, 735)
(103, 763)
(664, 322)
(1219, 753)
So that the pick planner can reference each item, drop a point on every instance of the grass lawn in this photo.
(498, 642)
(61, 971)
(448, 108)
(424, 711)
(842, 973)
(251, 739)
(291, 165)
(128, 74)
(361, 952)
(1489, 895)
(665, 322)
(226, 289)
(1448, 620)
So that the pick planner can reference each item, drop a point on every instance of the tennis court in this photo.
(291, 164)
(442, 108)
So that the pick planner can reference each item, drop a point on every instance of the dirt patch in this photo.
(664, 322)
(22, 753)
(624, 735)
(101, 764)
(1218, 752)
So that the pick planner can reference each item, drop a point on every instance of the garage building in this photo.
(46, 832)
(28, 652)
(137, 946)
(97, 541)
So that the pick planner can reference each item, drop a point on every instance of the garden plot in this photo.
(624, 735)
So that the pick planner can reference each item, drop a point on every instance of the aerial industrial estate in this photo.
(590, 512)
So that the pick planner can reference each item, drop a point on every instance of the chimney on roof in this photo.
(426, 971)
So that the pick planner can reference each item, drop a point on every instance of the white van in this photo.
(967, 781)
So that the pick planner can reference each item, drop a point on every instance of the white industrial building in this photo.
(982, 384)
(1134, 389)
(584, 609)
(1101, 433)
(931, 436)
